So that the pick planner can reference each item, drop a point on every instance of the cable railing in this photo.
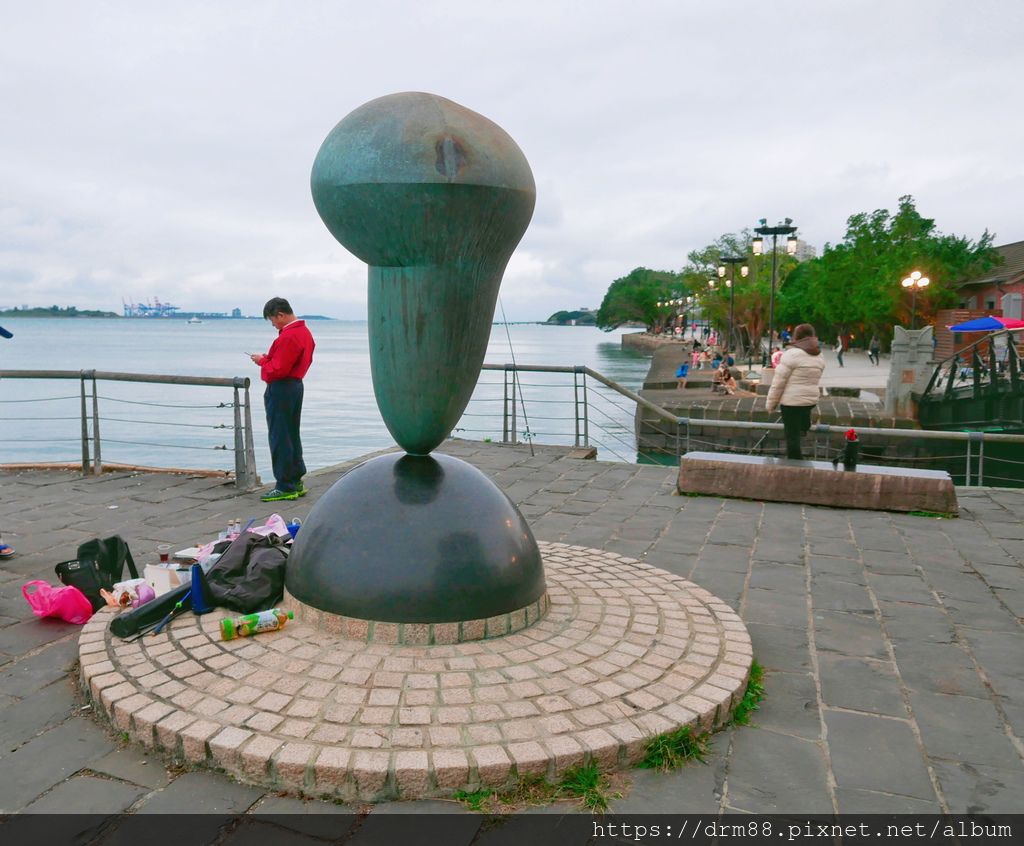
(597, 411)
(182, 426)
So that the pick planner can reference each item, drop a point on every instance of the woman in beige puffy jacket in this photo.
(794, 387)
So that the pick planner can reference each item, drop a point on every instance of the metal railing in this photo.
(89, 416)
(977, 370)
(596, 410)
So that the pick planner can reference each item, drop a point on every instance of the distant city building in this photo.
(999, 289)
(236, 312)
(804, 250)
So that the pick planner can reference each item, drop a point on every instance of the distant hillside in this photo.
(55, 311)
(566, 318)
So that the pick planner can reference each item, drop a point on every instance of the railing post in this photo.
(97, 454)
(1014, 361)
(240, 470)
(86, 469)
(967, 473)
(576, 404)
(252, 477)
(504, 407)
(979, 438)
(513, 431)
(586, 412)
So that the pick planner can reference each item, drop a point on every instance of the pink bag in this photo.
(66, 602)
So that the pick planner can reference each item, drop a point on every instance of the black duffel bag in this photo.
(249, 575)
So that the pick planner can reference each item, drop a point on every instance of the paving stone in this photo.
(908, 622)
(860, 685)
(853, 801)
(976, 789)
(692, 789)
(856, 635)
(833, 595)
(201, 793)
(25, 676)
(47, 760)
(963, 729)
(323, 820)
(47, 707)
(99, 795)
(30, 634)
(790, 705)
(938, 668)
(901, 589)
(771, 575)
(780, 647)
(776, 608)
(876, 753)
(772, 772)
(133, 765)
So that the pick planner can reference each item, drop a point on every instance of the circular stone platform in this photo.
(626, 652)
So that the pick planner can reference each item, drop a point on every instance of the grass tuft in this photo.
(588, 784)
(936, 514)
(752, 697)
(673, 749)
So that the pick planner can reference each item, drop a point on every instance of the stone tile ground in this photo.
(896, 633)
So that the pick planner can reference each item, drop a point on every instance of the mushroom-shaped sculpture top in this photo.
(434, 198)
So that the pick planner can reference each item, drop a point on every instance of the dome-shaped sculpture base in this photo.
(415, 539)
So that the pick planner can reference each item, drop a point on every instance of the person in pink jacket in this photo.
(794, 387)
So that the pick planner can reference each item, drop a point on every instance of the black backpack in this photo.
(99, 565)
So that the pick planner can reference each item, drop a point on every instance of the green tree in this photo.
(634, 298)
(854, 287)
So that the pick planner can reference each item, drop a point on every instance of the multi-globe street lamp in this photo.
(672, 304)
(786, 228)
(732, 261)
(914, 282)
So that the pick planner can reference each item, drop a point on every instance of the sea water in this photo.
(187, 426)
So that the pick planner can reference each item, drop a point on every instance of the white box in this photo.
(163, 579)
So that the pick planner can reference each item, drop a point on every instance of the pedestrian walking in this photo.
(794, 387)
(838, 349)
(874, 349)
(283, 368)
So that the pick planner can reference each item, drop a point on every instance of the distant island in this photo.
(55, 311)
(582, 317)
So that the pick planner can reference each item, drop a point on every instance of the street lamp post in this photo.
(914, 282)
(786, 228)
(732, 261)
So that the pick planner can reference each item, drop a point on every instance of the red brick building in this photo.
(1000, 291)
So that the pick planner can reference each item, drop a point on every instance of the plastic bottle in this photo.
(250, 624)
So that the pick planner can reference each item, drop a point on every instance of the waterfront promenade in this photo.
(892, 643)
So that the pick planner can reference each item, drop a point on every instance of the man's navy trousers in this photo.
(283, 403)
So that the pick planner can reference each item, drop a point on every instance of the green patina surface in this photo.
(434, 198)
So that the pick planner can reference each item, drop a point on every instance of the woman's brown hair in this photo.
(804, 330)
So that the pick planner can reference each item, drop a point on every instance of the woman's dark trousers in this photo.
(283, 403)
(797, 420)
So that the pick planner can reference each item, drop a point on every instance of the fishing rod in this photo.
(515, 380)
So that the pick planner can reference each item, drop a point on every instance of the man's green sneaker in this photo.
(276, 496)
(301, 490)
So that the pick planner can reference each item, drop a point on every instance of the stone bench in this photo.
(817, 483)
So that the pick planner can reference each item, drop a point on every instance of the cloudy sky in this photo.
(163, 149)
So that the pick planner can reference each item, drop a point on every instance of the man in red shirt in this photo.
(282, 368)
